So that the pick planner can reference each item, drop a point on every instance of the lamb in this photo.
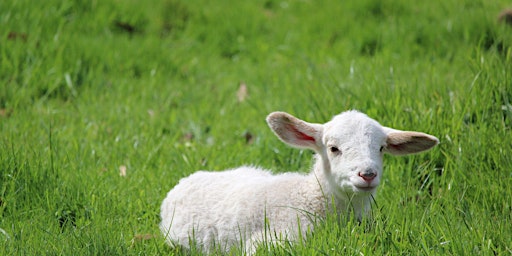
(247, 205)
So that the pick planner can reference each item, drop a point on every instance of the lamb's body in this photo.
(248, 205)
(221, 202)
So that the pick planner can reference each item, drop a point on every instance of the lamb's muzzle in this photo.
(368, 175)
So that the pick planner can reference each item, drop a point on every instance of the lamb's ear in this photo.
(406, 142)
(296, 132)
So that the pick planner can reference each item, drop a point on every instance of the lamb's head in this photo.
(354, 146)
(350, 146)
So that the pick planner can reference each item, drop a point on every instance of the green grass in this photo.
(87, 87)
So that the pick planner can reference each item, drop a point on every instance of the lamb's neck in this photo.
(320, 176)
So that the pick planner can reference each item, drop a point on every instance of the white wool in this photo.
(247, 205)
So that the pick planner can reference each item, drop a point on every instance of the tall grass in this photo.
(88, 88)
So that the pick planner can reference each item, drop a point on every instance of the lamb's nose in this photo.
(368, 175)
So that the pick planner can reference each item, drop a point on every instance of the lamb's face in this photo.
(354, 146)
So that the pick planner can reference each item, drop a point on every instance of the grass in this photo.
(91, 87)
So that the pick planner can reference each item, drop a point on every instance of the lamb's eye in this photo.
(381, 148)
(335, 150)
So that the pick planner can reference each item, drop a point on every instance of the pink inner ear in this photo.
(300, 135)
(395, 146)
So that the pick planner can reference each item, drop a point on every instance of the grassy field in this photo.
(105, 105)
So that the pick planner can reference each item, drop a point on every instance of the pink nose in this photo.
(367, 176)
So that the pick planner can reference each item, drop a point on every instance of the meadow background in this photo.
(105, 105)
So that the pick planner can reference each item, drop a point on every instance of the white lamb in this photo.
(247, 205)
